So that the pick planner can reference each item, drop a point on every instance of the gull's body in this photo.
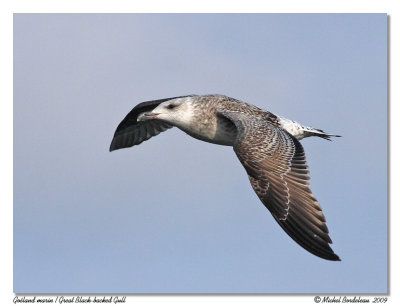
(266, 144)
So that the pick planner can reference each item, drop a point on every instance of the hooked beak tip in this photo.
(147, 116)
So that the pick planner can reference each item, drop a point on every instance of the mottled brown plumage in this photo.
(276, 165)
(265, 144)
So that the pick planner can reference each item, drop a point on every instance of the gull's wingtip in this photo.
(113, 146)
(335, 257)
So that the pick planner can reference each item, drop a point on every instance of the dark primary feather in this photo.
(275, 163)
(130, 132)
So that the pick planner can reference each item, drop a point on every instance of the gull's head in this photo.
(178, 112)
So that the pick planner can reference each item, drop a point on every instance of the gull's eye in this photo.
(171, 106)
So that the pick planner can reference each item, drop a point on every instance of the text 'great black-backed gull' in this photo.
(267, 145)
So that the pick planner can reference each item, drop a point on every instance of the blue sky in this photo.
(175, 214)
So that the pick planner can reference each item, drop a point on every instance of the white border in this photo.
(7, 8)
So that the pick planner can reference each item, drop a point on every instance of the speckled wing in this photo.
(130, 132)
(276, 165)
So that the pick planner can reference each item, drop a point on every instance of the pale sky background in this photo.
(176, 215)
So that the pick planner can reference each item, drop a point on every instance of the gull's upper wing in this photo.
(130, 132)
(276, 165)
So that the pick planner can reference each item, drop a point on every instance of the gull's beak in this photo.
(147, 116)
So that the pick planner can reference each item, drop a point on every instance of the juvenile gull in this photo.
(266, 144)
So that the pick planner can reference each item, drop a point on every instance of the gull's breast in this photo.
(225, 133)
(215, 130)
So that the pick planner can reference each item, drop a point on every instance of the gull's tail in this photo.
(309, 131)
(300, 131)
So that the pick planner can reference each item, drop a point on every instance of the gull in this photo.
(266, 144)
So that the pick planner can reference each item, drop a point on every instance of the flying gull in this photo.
(266, 144)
